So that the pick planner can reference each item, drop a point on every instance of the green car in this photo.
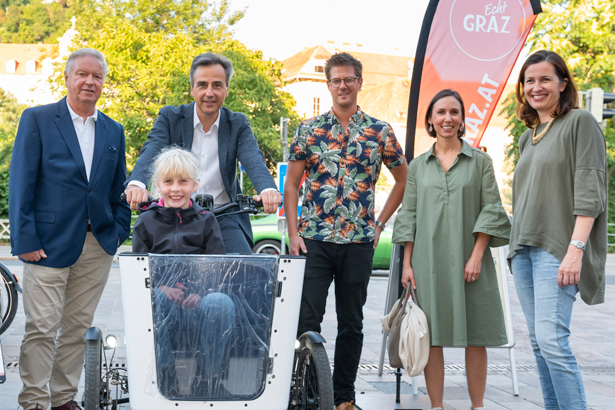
(267, 239)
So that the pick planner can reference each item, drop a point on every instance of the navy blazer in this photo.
(175, 126)
(51, 200)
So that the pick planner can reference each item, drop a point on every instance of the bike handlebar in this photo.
(245, 203)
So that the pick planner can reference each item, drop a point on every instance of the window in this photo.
(31, 66)
(316, 106)
(11, 66)
(319, 69)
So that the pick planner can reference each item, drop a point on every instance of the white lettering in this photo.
(489, 81)
(499, 9)
(487, 93)
(468, 27)
(474, 109)
(493, 24)
(506, 19)
(473, 124)
(480, 23)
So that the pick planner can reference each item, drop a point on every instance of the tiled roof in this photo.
(294, 65)
(25, 52)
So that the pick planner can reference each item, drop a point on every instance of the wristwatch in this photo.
(579, 244)
(380, 224)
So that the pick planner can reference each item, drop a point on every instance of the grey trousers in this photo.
(59, 304)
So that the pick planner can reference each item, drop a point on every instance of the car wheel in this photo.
(268, 246)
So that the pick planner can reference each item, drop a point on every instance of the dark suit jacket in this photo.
(50, 198)
(175, 126)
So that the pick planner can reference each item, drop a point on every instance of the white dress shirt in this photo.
(205, 148)
(85, 134)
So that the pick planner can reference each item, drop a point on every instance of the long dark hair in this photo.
(568, 99)
(442, 94)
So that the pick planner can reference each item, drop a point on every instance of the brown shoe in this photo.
(349, 405)
(71, 405)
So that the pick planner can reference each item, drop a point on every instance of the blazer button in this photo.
(86, 219)
(89, 191)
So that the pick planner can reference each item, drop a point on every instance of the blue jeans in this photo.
(547, 309)
(205, 330)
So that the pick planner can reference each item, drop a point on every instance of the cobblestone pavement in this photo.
(592, 340)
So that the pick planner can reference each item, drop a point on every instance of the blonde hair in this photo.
(176, 162)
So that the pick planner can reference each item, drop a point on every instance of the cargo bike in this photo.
(229, 343)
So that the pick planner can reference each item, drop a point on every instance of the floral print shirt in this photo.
(341, 171)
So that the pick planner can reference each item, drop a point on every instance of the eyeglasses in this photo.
(336, 82)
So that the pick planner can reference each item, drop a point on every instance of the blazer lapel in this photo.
(100, 142)
(64, 122)
(187, 126)
(224, 133)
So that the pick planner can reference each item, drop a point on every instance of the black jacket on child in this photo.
(176, 231)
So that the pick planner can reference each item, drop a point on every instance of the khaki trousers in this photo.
(59, 304)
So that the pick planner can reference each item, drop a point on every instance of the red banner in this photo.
(471, 47)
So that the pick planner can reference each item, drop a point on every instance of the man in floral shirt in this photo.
(341, 153)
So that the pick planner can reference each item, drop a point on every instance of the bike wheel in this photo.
(314, 377)
(93, 360)
(8, 299)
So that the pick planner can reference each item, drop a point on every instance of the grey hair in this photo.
(207, 59)
(85, 52)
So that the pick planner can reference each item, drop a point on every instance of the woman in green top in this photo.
(450, 213)
(558, 240)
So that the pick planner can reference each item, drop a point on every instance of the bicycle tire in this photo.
(8, 298)
(314, 376)
(93, 360)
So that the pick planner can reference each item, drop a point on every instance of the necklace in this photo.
(536, 138)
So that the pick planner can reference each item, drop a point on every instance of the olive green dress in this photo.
(441, 213)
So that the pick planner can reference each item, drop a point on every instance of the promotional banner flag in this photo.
(471, 47)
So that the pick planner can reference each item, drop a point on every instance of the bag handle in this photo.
(413, 293)
(404, 298)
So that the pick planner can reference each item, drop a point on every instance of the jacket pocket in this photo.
(45, 217)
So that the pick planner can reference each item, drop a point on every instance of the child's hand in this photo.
(174, 295)
(192, 302)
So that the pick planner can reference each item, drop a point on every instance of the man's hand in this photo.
(135, 195)
(191, 302)
(271, 200)
(377, 232)
(295, 242)
(34, 256)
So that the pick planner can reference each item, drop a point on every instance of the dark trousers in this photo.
(350, 266)
(235, 240)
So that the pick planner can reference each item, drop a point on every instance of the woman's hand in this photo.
(408, 276)
(569, 272)
(471, 271)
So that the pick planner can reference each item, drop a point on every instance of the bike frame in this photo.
(138, 324)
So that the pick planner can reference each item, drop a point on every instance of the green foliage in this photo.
(31, 22)
(149, 59)
(583, 33)
(10, 111)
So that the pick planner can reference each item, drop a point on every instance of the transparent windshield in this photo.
(212, 319)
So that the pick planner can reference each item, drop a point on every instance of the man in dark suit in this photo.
(67, 173)
(218, 137)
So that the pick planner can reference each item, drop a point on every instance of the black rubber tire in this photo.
(268, 247)
(8, 299)
(314, 377)
(93, 360)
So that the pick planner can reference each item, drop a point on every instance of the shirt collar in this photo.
(196, 122)
(74, 115)
(465, 149)
(357, 117)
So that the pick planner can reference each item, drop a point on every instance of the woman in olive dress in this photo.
(450, 213)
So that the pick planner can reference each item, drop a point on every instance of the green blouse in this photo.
(562, 176)
(442, 213)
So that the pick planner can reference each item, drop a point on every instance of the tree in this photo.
(10, 111)
(149, 58)
(583, 33)
(33, 22)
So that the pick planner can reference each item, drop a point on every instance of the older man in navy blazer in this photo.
(68, 170)
(218, 137)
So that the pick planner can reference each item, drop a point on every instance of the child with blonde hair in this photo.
(183, 306)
